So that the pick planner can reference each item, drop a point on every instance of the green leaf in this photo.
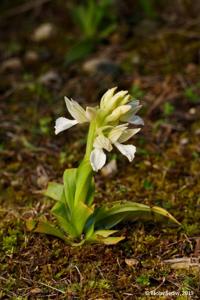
(90, 194)
(81, 213)
(104, 238)
(105, 233)
(80, 51)
(44, 227)
(54, 191)
(109, 217)
(69, 179)
(159, 213)
(83, 182)
(104, 33)
(61, 210)
(89, 230)
(67, 227)
(112, 240)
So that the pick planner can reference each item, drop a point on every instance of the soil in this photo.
(157, 60)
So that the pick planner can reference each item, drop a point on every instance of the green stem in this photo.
(90, 139)
(84, 172)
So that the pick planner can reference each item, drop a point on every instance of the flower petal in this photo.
(110, 101)
(134, 103)
(135, 120)
(91, 112)
(127, 134)
(97, 159)
(118, 113)
(135, 106)
(119, 98)
(102, 142)
(76, 110)
(63, 124)
(127, 150)
(116, 132)
(107, 97)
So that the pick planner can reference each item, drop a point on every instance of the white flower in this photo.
(77, 112)
(117, 136)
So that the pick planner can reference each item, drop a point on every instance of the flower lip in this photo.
(127, 150)
(97, 159)
(64, 124)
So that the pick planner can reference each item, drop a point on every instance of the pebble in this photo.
(35, 291)
(49, 78)
(11, 64)
(31, 57)
(192, 111)
(131, 262)
(43, 32)
(101, 66)
(184, 141)
(110, 169)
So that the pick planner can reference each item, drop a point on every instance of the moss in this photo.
(143, 280)
(165, 171)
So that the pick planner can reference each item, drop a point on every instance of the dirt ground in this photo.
(158, 60)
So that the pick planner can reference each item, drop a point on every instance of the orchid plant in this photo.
(79, 219)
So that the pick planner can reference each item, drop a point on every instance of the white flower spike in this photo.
(109, 125)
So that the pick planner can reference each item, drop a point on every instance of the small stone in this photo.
(184, 141)
(192, 111)
(35, 291)
(11, 64)
(110, 169)
(101, 66)
(31, 57)
(49, 78)
(131, 262)
(44, 32)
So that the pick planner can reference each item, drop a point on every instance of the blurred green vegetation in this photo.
(192, 93)
(95, 22)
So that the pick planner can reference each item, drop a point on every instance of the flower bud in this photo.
(110, 101)
(118, 112)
